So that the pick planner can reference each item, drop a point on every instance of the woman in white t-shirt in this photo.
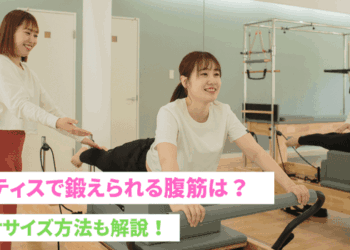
(190, 135)
(23, 101)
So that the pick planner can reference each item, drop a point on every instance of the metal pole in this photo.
(245, 83)
(92, 168)
(320, 32)
(273, 62)
(314, 24)
(249, 24)
(312, 31)
(345, 67)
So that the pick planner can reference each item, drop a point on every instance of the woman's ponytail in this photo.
(179, 93)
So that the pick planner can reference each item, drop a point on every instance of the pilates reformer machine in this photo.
(333, 177)
(210, 234)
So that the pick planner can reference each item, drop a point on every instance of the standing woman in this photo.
(23, 101)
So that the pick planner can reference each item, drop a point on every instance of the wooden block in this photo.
(114, 39)
(309, 128)
(47, 34)
(297, 168)
(295, 129)
(259, 128)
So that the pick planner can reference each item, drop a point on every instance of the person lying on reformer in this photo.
(190, 135)
(338, 140)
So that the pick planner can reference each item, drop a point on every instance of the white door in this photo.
(53, 60)
(125, 80)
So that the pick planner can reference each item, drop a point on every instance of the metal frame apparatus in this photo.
(274, 24)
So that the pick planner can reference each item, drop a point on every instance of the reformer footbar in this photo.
(210, 234)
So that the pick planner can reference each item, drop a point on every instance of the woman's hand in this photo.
(90, 143)
(67, 124)
(301, 192)
(342, 128)
(194, 213)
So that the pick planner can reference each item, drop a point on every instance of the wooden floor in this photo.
(314, 234)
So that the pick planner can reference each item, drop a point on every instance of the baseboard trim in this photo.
(290, 151)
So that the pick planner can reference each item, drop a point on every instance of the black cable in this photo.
(278, 145)
(306, 178)
(41, 164)
(253, 134)
(297, 151)
(67, 209)
(46, 147)
(54, 162)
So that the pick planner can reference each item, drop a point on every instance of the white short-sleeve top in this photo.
(199, 145)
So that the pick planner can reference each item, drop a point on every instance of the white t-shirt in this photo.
(199, 145)
(24, 102)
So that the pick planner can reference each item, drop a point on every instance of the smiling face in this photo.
(204, 83)
(25, 39)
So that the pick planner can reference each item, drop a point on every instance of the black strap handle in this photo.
(251, 78)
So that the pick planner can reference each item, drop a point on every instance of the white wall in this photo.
(96, 69)
(342, 6)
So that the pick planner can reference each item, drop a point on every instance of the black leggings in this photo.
(130, 156)
(331, 141)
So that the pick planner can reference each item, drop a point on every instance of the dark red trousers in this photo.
(11, 146)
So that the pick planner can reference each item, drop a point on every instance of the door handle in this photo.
(131, 99)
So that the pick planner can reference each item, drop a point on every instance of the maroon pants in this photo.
(11, 146)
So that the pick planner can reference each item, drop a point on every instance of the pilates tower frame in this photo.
(272, 24)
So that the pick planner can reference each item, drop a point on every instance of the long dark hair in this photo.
(8, 28)
(198, 59)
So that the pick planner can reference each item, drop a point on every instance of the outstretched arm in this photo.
(257, 154)
(167, 153)
(64, 125)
